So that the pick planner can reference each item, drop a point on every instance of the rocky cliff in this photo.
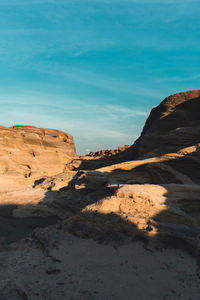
(144, 198)
(34, 152)
(156, 195)
(172, 125)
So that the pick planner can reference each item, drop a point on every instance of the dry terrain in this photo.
(120, 226)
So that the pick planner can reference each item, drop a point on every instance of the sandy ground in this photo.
(81, 269)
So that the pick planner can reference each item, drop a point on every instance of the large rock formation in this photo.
(156, 195)
(172, 125)
(34, 152)
(149, 192)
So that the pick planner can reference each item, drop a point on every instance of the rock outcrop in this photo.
(148, 193)
(33, 152)
(155, 195)
(110, 152)
(172, 125)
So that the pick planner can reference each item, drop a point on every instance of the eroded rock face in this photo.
(155, 196)
(150, 192)
(172, 125)
(34, 152)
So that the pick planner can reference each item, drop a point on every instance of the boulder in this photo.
(32, 152)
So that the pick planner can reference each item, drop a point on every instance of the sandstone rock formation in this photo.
(149, 193)
(33, 152)
(162, 184)
(156, 195)
(172, 125)
(110, 152)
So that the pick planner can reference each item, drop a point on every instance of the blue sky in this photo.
(95, 68)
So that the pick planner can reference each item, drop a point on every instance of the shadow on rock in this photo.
(152, 203)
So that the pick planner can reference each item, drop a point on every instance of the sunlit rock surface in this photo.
(33, 152)
(110, 152)
(119, 223)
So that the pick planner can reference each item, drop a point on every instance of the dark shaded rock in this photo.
(172, 125)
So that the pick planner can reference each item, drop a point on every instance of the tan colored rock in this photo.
(110, 152)
(170, 209)
(153, 199)
(34, 152)
(155, 195)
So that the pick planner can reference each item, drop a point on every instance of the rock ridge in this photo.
(172, 125)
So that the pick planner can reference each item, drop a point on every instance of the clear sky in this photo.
(95, 68)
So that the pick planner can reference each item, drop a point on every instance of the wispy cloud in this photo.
(102, 126)
(96, 79)
(182, 78)
(129, 112)
(98, 66)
